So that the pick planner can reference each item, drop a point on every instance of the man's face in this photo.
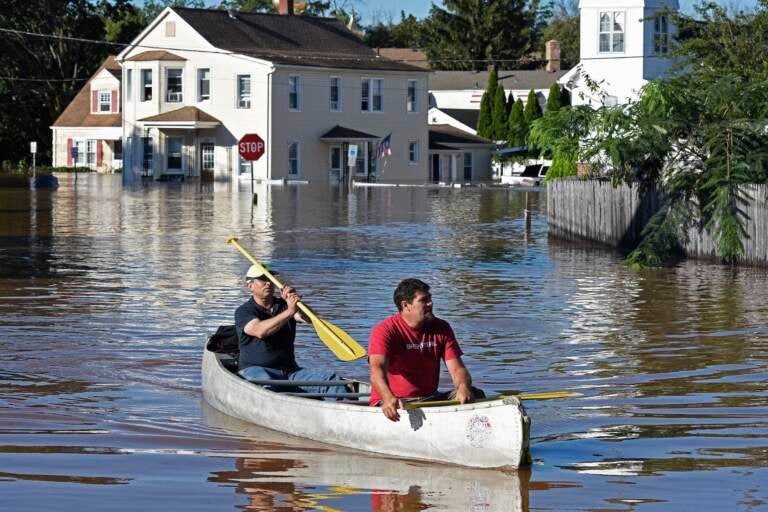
(261, 287)
(420, 309)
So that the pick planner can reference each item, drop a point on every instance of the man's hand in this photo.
(464, 394)
(292, 298)
(390, 406)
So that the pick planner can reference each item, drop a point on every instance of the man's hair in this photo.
(407, 289)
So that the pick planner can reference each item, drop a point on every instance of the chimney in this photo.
(553, 56)
(285, 7)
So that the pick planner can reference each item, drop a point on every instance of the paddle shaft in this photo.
(523, 396)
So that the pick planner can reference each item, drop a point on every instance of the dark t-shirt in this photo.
(275, 351)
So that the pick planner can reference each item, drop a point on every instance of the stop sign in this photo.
(251, 147)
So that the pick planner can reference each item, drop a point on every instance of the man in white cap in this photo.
(266, 330)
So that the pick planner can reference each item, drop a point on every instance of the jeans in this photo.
(264, 373)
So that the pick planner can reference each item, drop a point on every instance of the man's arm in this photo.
(263, 328)
(462, 381)
(389, 402)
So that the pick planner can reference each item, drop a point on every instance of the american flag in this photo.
(384, 149)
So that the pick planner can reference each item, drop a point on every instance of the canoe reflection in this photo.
(288, 473)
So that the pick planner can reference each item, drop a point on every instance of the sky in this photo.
(382, 10)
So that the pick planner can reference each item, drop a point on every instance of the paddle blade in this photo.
(340, 343)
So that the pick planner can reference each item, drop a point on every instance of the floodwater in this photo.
(106, 295)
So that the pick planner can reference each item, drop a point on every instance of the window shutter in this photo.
(95, 101)
(98, 152)
(115, 106)
(69, 152)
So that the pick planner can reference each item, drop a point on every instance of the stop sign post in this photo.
(251, 147)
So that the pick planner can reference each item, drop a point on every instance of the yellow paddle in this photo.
(340, 343)
(524, 396)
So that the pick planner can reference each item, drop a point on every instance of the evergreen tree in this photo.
(499, 114)
(532, 108)
(493, 82)
(510, 102)
(517, 128)
(484, 119)
(554, 100)
(470, 34)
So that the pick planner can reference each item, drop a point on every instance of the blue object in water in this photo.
(45, 181)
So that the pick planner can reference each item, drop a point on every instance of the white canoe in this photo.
(489, 434)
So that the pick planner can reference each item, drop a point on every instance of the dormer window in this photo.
(612, 25)
(105, 101)
(661, 35)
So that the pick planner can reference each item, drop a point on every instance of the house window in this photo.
(245, 166)
(335, 98)
(78, 149)
(203, 84)
(147, 156)
(105, 101)
(173, 85)
(410, 101)
(146, 84)
(371, 99)
(243, 91)
(173, 147)
(361, 160)
(335, 158)
(413, 151)
(91, 147)
(612, 32)
(170, 29)
(293, 158)
(467, 167)
(661, 35)
(294, 92)
(207, 155)
(129, 85)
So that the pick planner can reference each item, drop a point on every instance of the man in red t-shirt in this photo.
(405, 350)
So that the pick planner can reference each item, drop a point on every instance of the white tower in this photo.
(623, 46)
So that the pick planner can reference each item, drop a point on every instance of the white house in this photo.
(197, 80)
(88, 133)
(624, 44)
(457, 157)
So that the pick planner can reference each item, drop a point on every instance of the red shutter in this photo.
(69, 152)
(98, 152)
(115, 106)
(95, 101)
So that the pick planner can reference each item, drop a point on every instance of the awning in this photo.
(344, 134)
(185, 118)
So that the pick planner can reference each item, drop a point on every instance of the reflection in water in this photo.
(106, 294)
(303, 475)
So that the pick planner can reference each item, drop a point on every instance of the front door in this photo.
(207, 151)
(174, 162)
(435, 168)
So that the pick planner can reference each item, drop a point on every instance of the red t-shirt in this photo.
(414, 355)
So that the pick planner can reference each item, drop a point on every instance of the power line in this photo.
(19, 79)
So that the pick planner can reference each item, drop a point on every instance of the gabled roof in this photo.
(344, 133)
(524, 79)
(155, 55)
(183, 114)
(407, 55)
(466, 116)
(441, 135)
(287, 39)
(78, 112)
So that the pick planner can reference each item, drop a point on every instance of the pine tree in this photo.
(493, 82)
(510, 102)
(554, 100)
(484, 119)
(532, 108)
(499, 115)
(517, 128)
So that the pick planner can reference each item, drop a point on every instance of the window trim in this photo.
(612, 33)
(199, 74)
(298, 158)
(370, 81)
(151, 83)
(128, 85)
(415, 83)
(168, 84)
(240, 100)
(297, 108)
(415, 159)
(339, 94)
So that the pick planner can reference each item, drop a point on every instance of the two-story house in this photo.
(624, 44)
(88, 133)
(196, 80)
